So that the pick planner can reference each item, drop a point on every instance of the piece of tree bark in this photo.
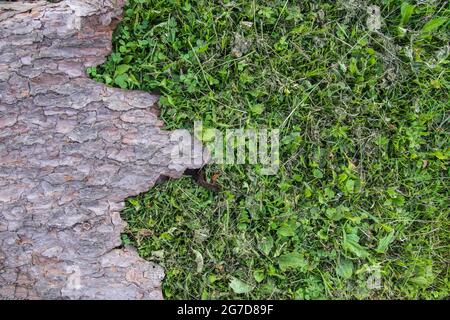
(71, 151)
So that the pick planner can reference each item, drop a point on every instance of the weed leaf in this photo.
(239, 286)
(292, 260)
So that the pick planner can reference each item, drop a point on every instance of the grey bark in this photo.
(71, 151)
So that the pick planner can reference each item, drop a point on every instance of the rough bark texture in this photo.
(71, 151)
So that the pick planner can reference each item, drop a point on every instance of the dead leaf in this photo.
(215, 176)
(145, 233)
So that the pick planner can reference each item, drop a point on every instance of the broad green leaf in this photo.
(287, 230)
(334, 214)
(351, 243)
(406, 10)
(121, 69)
(136, 204)
(258, 275)
(424, 276)
(384, 242)
(208, 135)
(121, 81)
(266, 244)
(317, 173)
(344, 268)
(239, 286)
(212, 278)
(433, 24)
(422, 281)
(292, 260)
(257, 109)
(350, 186)
(108, 79)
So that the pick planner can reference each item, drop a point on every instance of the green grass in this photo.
(362, 190)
